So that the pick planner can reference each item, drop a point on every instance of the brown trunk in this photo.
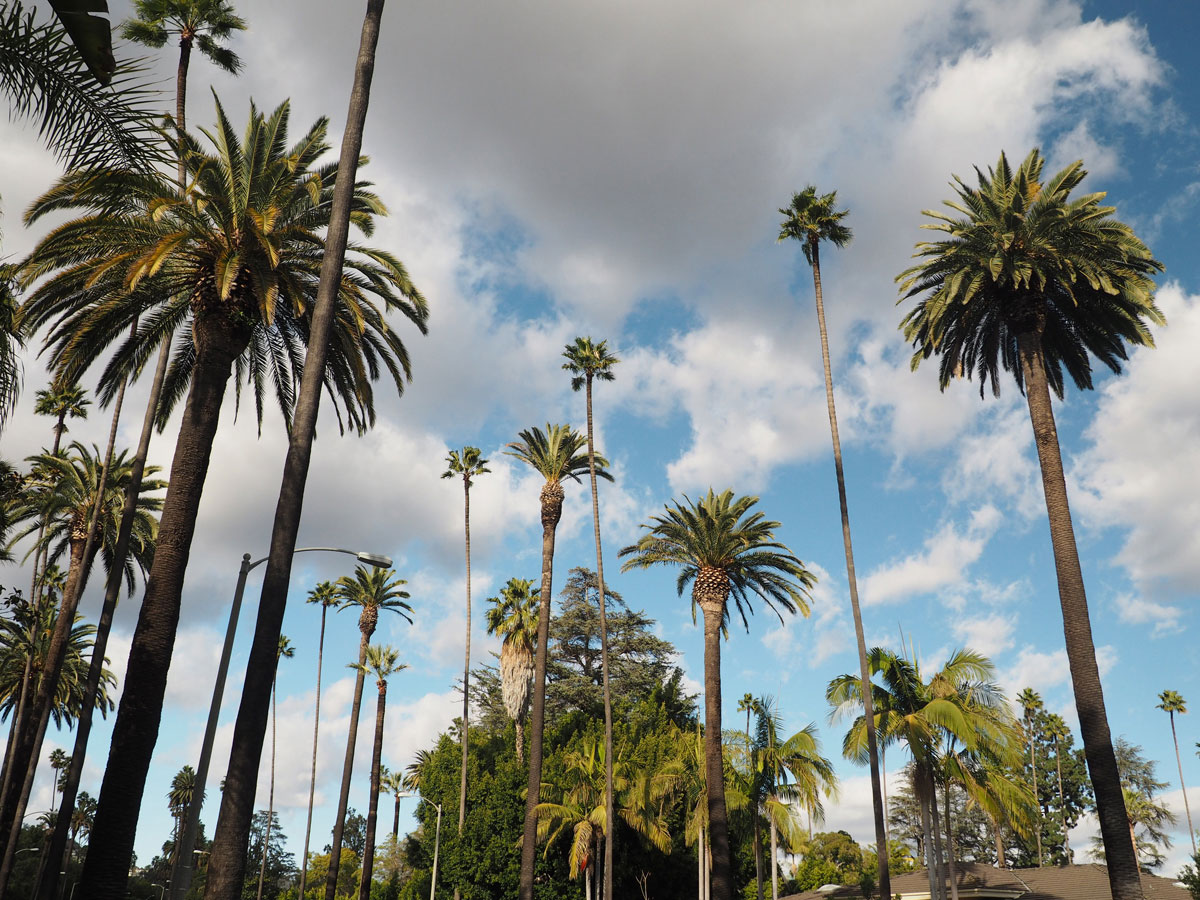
(262, 869)
(1000, 860)
(396, 818)
(714, 770)
(227, 864)
(950, 868)
(885, 882)
(1081, 652)
(758, 860)
(312, 783)
(1182, 788)
(551, 513)
(609, 816)
(48, 883)
(364, 889)
(339, 823)
(466, 706)
(135, 732)
(939, 859)
(1062, 803)
(1037, 800)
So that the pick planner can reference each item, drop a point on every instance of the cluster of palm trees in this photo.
(236, 264)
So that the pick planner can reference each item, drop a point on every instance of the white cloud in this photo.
(989, 635)
(947, 556)
(1136, 610)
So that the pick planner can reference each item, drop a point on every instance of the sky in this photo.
(615, 170)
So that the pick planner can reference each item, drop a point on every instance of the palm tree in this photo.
(1172, 702)
(259, 314)
(58, 761)
(554, 455)
(237, 806)
(11, 342)
(724, 547)
(325, 595)
(85, 121)
(811, 219)
(179, 798)
(514, 617)
(1056, 730)
(382, 663)
(63, 402)
(588, 362)
(393, 783)
(467, 464)
(373, 591)
(1031, 704)
(1031, 280)
(285, 651)
(202, 24)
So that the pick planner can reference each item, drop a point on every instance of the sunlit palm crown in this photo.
(239, 251)
(1024, 258)
(1171, 702)
(381, 662)
(558, 453)
(584, 358)
(813, 217)
(720, 536)
(206, 22)
(467, 463)
(325, 594)
(373, 590)
(513, 614)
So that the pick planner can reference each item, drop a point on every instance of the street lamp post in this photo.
(437, 838)
(184, 864)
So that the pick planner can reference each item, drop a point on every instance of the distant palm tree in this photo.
(179, 798)
(725, 548)
(811, 219)
(325, 595)
(1172, 702)
(588, 362)
(372, 591)
(381, 663)
(555, 455)
(286, 651)
(466, 464)
(1031, 704)
(514, 617)
(63, 402)
(393, 783)
(1032, 281)
(1057, 730)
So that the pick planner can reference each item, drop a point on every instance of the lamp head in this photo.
(374, 559)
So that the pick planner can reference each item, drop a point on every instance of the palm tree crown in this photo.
(467, 463)
(373, 591)
(1023, 257)
(586, 360)
(556, 454)
(719, 544)
(202, 23)
(813, 218)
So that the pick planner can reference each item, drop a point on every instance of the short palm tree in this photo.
(723, 547)
(1031, 705)
(285, 651)
(1172, 702)
(234, 261)
(555, 455)
(466, 464)
(1034, 281)
(381, 663)
(324, 595)
(513, 616)
(589, 361)
(372, 591)
(810, 219)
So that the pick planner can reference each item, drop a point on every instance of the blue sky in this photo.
(615, 170)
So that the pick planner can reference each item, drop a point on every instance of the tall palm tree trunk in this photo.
(999, 840)
(609, 815)
(364, 889)
(227, 864)
(28, 748)
(135, 732)
(551, 513)
(701, 868)
(312, 782)
(339, 823)
(1182, 787)
(774, 865)
(885, 882)
(396, 817)
(1081, 650)
(112, 591)
(1037, 800)
(714, 770)
(758, 860)
(1062, 802)
(262, 869)
(950, 844)
(466, 713)
(931, 867)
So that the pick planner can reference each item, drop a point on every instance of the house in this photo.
(979, 882)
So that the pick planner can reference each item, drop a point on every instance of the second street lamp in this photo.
(185, 866)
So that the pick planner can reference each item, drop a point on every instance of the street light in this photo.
(437, 838)
(162, 888)
(182, 876)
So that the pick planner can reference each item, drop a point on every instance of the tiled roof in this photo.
(1086, 882)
